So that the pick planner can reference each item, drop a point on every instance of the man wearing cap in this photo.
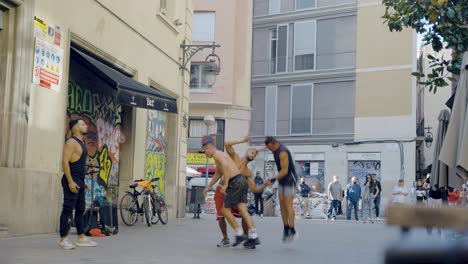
(235, 186)
(73, 184)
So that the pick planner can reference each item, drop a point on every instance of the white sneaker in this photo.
(65, 244)
(85, 242)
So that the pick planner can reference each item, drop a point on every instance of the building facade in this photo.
(430, 104)
(229, 24)
(115, 65)
(330, 81)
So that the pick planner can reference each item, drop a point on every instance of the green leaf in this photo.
(452, 79)
(429, 56)
(417, 74)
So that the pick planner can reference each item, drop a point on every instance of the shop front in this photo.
(106, 100)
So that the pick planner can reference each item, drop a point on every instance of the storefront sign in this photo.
(363, 156)
(48, 62)
(309, 156)
(198, 159)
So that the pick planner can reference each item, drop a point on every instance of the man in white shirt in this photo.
(400, 193)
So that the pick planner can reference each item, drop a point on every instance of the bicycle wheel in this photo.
(154, 216)
(147, 210)
(128, 209)
(162, 212)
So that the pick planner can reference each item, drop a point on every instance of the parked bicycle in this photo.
(153, 207)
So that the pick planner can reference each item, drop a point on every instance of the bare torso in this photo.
(225, 165)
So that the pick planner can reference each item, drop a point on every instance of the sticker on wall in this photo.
(51, 31)
(58, 36)
(40, 28)
(47, 65)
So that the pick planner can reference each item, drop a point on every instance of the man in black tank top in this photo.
(73, 184)
(287, 181)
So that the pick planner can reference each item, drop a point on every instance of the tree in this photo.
(439, 21)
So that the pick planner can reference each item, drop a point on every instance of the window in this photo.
(198, 129)
(305, 4)
(198, 78)
(334, 108)
(304, 45)
(270, 110)
(258, 111)
(203, 26)
(163, 6)
(283, 118)
(301, 109)
(274, 7)
(273, 49)
(282, 49)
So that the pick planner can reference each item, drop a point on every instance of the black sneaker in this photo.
(239, 239)
(293, 235)
(285, 236)
(251, 243)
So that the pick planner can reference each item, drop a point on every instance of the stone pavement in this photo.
(194, 241)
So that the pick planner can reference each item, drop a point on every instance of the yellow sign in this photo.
(198, 159)
(41, 26)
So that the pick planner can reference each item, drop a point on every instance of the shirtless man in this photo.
(235, 186)
(219, 197)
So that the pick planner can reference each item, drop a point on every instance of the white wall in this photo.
(433, 103)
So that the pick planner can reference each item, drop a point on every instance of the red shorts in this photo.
(219, 202)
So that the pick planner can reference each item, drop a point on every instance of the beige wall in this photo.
(384, 62)
(230, 96)
(136, 37)
(233, 31)
(384, 93)
(385, 89)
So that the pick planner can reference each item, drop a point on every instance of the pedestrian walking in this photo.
(353, 195)
(400, 193)
(259, 196)
(334, 192)
(370, 190)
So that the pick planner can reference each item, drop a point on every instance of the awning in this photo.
(127, 90)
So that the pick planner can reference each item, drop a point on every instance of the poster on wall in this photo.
(156, 145)
(48, 64)
(314, 168)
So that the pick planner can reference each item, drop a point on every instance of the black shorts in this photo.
(236, 192)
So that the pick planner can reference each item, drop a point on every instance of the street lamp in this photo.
(213, 62)
(209, 120)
